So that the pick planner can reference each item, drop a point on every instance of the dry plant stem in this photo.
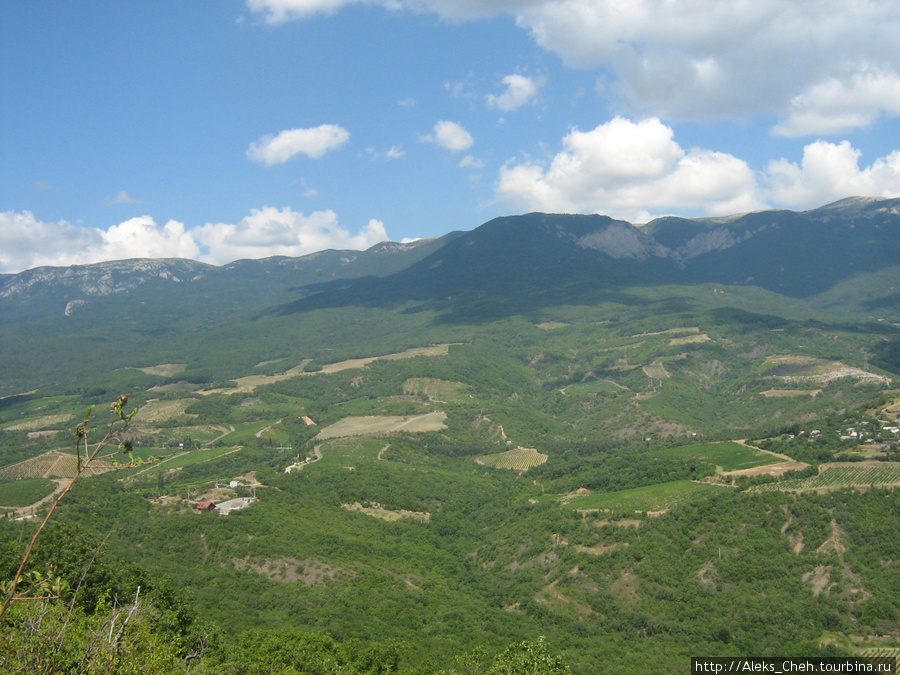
(110, 434)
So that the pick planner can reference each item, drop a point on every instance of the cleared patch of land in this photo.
(600, 549)
(40, 422)
(657, 371)
(378, 511)
(778, 469)
(249, 383)
(517, 459)
(690, 339)
(158, 411)
(442, 391)
(670, 331)
(551, 325)
(783, 393)
(383, 424)
(43, 434)
(164, 369)
(809, 369)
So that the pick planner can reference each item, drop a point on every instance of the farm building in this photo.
(206, 506)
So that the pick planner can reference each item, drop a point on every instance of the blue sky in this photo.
(232, 129)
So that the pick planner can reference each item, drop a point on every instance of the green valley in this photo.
(602, 476)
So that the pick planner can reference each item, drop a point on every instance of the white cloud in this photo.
(450, 136)
(842, 104)
(630, 170)
(26, 242)
(395, 152)
(313, 143)
(520, 90)
(122, 198)
(696, 59)
(279, 11)
(269, 231)
(470, 162)
(829, 172)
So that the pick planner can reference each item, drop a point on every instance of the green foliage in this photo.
(24, 492)
(528, 658)
(586, 374)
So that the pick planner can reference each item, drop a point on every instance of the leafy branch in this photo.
(85, 457)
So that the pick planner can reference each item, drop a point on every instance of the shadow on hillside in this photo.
(469, 306)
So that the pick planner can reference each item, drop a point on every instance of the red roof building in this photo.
(206, 506)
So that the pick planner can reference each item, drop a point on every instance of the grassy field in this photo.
(594, 387)
(651, 498)
(25, 492)
(726, 456)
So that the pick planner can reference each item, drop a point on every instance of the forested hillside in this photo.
(509, 453)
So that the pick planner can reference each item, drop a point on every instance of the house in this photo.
(206, 506)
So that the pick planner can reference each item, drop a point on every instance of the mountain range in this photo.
(843, 259)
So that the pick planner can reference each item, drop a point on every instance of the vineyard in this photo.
(651, 498)
(835, 477)
(40, 423)
(518, 459)
(880, 652)
(51, 464)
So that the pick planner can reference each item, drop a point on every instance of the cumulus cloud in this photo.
(829, 172)
(520, 90)
(269, 231)
(313, 143)
(450, 136)
(700, 60)
(838, 105)
(27, 242)
(630, 170)
(696, 60)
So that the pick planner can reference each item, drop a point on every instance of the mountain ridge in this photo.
(509, 262)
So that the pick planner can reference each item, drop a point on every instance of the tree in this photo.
(47, 587)
(528, 658)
